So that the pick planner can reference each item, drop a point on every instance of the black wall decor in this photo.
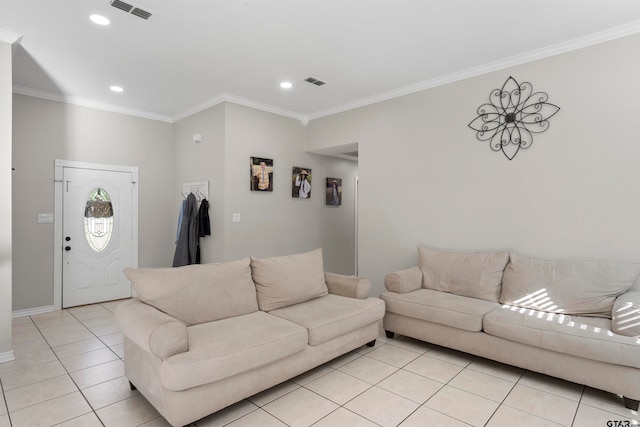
(514, 113)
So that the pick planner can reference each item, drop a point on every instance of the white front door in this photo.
(97, 232)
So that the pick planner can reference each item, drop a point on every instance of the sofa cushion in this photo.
(587, 288)
(587, 337)
(625, 318)
(286, 280)
(226, 347)
(471, 274)
(197, 293)
(331, 316)
(440, 307)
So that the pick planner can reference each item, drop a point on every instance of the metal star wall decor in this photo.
(513, 114)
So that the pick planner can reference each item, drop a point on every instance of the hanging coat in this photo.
(180, 215)
(204, 224)
(187, 246)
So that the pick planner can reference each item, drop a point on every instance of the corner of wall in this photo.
(6, 80)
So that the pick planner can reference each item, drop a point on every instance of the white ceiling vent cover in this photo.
(126, 7)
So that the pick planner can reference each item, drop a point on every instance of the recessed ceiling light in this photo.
(100, 20)
(117, 89)
(286, 85)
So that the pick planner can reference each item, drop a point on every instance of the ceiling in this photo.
(192, 54)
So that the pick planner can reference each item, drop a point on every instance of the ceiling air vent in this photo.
(126, 7)
(121, 5)
(141, 13)
(314, 81)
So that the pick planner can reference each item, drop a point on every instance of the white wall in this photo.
(275, 223)
(202, 161)
(271, 223)
(48, 130)
(167, 156)
(426, 179)
(5, 206)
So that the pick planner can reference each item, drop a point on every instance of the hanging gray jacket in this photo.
(187, 245)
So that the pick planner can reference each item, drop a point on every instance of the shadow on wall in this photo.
(35, 146)
(26, 71)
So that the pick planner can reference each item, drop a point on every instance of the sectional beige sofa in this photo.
(572, 319)
(201, 337)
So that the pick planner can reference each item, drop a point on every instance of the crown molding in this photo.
(211, 103)
(10, 37)
(571, 45)
(82, 102)
(226, 97)
(535, 55)
(265, 107)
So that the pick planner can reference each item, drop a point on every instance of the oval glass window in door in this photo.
(98, 219)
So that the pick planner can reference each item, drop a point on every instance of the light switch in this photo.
(236, 217)
(45, 218)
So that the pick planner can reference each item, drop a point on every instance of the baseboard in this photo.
(7, 356)
(33, 311)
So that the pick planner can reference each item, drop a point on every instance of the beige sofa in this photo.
(201, 337)
(576, 320)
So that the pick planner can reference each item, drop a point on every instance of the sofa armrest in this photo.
(625, 316)
(347, 286)
(151, 329)
(404, 281)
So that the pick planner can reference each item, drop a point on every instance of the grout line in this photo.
(4, 397)
(356, 354)
(575, 415)
(93, 410)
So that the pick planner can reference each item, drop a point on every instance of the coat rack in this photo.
(200, 189)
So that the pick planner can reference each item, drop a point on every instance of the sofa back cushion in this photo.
(287, 280)
(470, 274)
(586, 288)
(198, 293)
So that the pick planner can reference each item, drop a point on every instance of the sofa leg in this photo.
(631, 404)
(389, 334)
(371, 343)
(131, 386)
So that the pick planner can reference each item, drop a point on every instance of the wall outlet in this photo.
(236, 217)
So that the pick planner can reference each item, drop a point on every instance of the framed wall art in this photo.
(334, 192)
(261, 174)
(301, 183)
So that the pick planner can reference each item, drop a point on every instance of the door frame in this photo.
(355, 220)
(58, 219)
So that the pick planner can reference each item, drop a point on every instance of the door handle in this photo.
(67, 248)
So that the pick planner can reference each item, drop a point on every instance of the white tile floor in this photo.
(69, 372)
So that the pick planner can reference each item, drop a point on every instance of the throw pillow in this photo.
(470, 274)
(197, 293)
(287, 280)
(584, 288)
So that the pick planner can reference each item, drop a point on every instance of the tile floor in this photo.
(69, 372)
